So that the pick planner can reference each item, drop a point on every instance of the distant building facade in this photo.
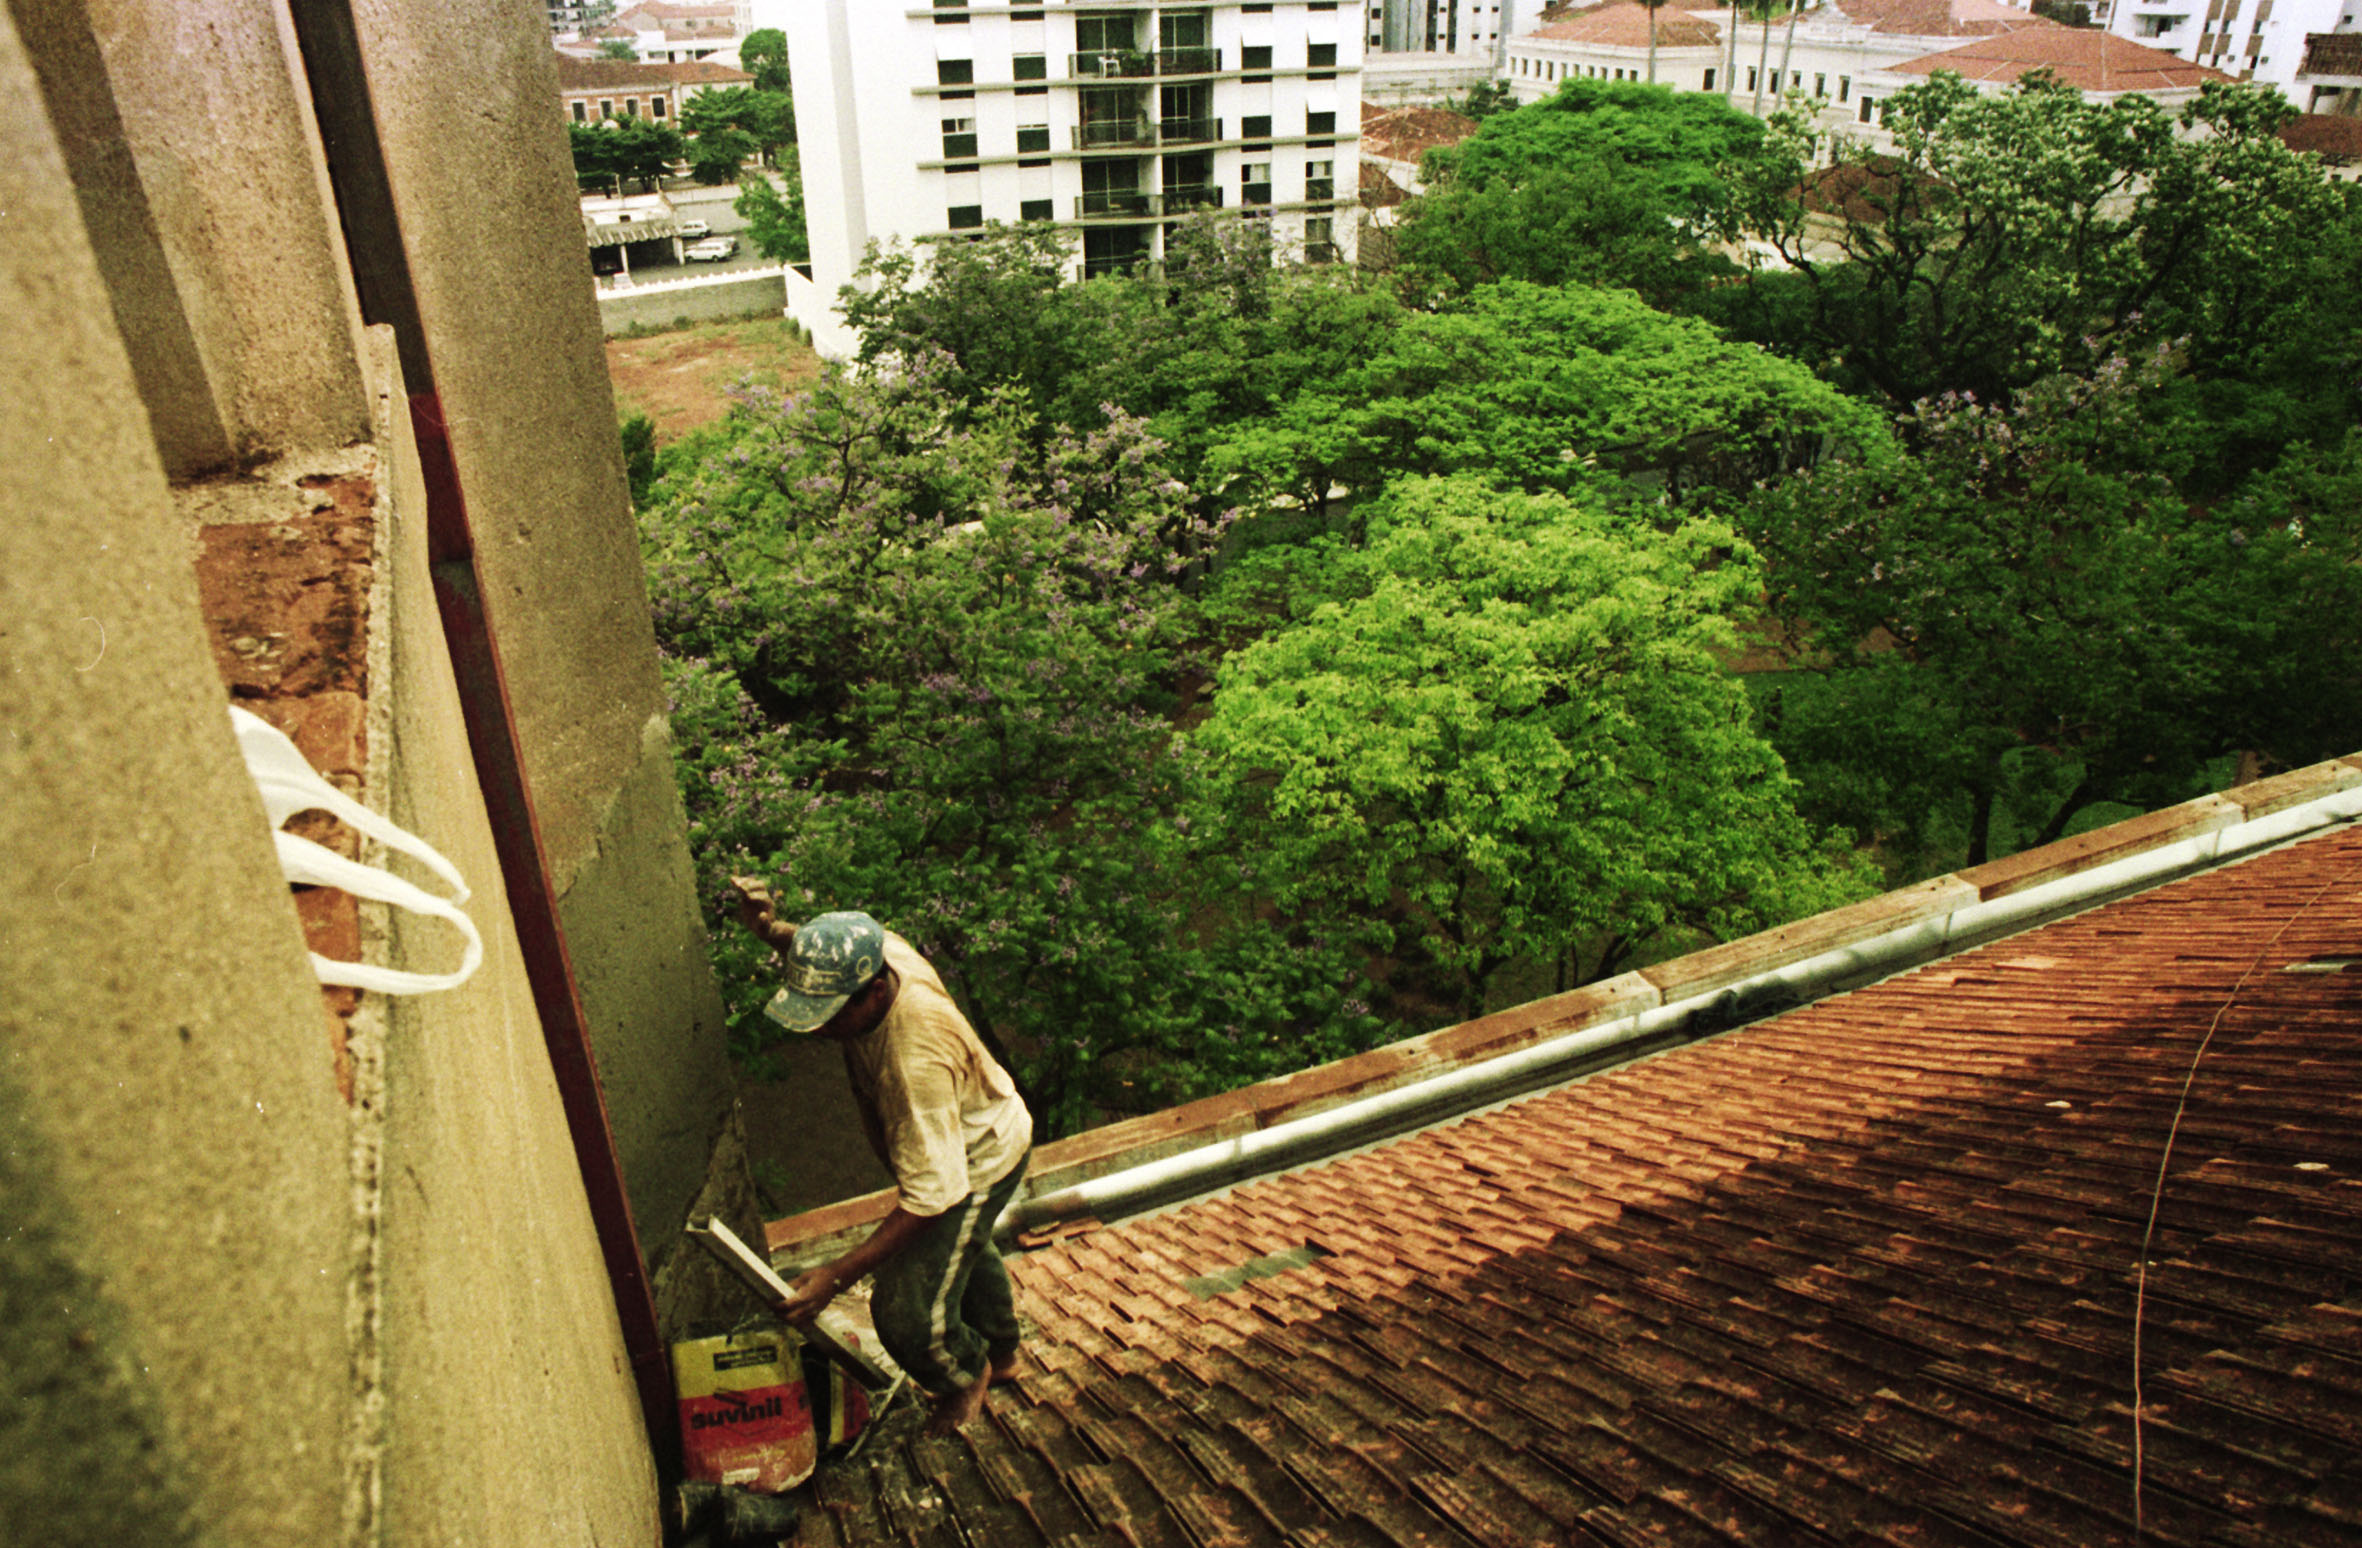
(1112, 122)
(592, 90)
(662, 31)
(2259, 40)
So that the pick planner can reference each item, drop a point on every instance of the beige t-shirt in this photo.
(941, 1113)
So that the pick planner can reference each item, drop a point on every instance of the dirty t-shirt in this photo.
(941, 1113)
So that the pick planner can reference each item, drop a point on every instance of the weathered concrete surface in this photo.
(513, 1418)
(172, 1135)
(515, 341)
(213, 221)
(622, 310)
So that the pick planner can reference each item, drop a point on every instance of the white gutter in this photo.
(1227, 1162)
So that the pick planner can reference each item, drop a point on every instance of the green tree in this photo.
(618, 150)
(716, 155)
(1605, 183)
(620, 49)
(766, 118)
(763, 54)
(1504, 726)
(2019, 614)
(921, 668)
(1547, 389)
(2007, 237)
(775, 220)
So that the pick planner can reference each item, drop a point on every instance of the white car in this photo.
(711, 250)
(695, 228)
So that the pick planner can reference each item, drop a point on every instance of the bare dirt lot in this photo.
(679, 379)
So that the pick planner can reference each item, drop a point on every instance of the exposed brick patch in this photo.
(286, 607)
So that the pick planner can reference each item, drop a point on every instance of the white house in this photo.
(1611, 43)
(1111, 122)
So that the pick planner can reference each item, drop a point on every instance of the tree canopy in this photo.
(619, 150)
(763, 54)
(1505, 722)
(1603, 183)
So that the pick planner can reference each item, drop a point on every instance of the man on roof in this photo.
(944, 1117)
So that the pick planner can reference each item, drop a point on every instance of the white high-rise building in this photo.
(2261, 40)
(1110, 119)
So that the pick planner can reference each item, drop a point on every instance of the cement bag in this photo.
(744, 1418)
(288, 784)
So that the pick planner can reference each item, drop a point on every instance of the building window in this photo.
(1820, 85)
(1255, 183)
(1033, 138)
(1320, 123)
(655, 107)
(1864, 114)
(606, 107)
(955, 72)
(1104, 34)
(966, 217)
(1257, 127)
(1320, 242)
(1035, 209)
(1321, 56)
(1320, 181)
(1709, 84)
(1255, 57)
(1030, 67)
(959, 139)
(631, 107)
(1750, 77)
(1845, 84)
(581, 112)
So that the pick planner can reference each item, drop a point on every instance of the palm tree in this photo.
(1730, 74)
(1652, 38)
(1762, 11)
(1788, 43)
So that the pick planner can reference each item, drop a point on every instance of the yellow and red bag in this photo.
(745, 1419)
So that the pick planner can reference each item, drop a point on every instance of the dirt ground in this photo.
(679, 378)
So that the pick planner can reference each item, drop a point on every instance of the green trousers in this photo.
(943, 1304)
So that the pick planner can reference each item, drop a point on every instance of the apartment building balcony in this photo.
(1319, 190)
(1189, 131)
(1188, 61)
(1320, 252)
(1254, 193)
(1108, 202)
(1111, 64)
(1113, 131)
(1179, 199)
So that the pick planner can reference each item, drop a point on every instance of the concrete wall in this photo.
(517, 358)
(272, 1275)
(759, 295)
(172, 1353)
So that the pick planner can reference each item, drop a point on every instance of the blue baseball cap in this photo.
(831, 959)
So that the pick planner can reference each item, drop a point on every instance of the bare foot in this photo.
(960, 1409)
(1002, 1373)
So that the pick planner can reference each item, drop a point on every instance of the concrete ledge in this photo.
(1718, 967)
(2295, 787)
(2150, 830)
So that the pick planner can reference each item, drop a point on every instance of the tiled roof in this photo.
(2082, 57)
(1624, 24)
(1866, 1273)
(2332, 53)
(1940, 18)
(617, 74)
(2330, 134)
(1407, 133)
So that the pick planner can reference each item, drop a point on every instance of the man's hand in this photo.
(812, 1290)
(757, 911)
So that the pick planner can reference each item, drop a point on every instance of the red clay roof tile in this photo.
(1863, 1273)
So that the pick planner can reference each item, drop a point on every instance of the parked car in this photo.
(694, 229)
(712, 249)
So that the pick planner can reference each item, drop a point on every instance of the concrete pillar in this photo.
(176, 1264)
(491, 236)
(203, 191)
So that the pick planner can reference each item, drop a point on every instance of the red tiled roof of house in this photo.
(1407, 133)
(616, 74)
(2329, 134)
(1624, 24)
(2082, 57)
(2332, 53)
(1941, 18)
(1866, 1273)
